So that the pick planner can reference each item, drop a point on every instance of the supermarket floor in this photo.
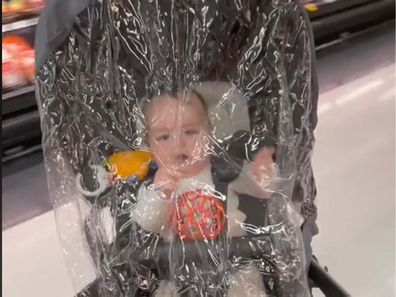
(354, 166)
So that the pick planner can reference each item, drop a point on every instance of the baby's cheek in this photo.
(159, 155)
(165, 158)
(203, 147)
(197, 150)
(162, 159)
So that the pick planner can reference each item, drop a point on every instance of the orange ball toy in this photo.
(198, 216)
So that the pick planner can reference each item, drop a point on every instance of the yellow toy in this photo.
(126, 164)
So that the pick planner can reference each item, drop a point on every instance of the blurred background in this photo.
(354, 157)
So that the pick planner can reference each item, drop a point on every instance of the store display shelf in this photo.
(18, 99)
(321, 8)
(353, 19)
(20, 128)
(16, 25)
(18, 92)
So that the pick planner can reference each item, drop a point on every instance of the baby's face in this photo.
(178, 134)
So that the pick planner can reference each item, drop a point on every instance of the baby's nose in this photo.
(179, 140)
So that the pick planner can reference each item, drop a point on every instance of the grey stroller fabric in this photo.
(250, 65)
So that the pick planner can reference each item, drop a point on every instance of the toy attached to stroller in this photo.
(177, 137)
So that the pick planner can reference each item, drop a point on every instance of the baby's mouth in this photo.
(182, 159)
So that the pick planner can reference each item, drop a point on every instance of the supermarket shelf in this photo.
(321, 8)
(353, 19)
(17, 100)
(20, 128)
(17, 92)
(16, 25)
(21, 151)
(353, 35)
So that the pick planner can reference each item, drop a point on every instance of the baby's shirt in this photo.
(153, 213)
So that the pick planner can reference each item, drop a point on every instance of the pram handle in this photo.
(323, 280)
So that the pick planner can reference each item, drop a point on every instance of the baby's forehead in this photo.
(159, 102)
(170, 104)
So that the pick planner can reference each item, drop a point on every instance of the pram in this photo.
(95, 62)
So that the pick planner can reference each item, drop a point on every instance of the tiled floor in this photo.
(354, 165)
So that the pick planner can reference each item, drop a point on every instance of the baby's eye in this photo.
(191, 132)
(163, 137)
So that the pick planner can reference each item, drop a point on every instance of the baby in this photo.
(179, 138)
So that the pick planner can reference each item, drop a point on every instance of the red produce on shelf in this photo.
(12, 75)
(26, 63)
(13, 6)
(17, 62)
(15, 44)
(35, 4)
(12, 9)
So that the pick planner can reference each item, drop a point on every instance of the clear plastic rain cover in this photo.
(176, 135)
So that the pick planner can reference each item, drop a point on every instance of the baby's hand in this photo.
(262, 166)
(166, 181)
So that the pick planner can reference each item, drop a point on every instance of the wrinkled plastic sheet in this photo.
(177, 139)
